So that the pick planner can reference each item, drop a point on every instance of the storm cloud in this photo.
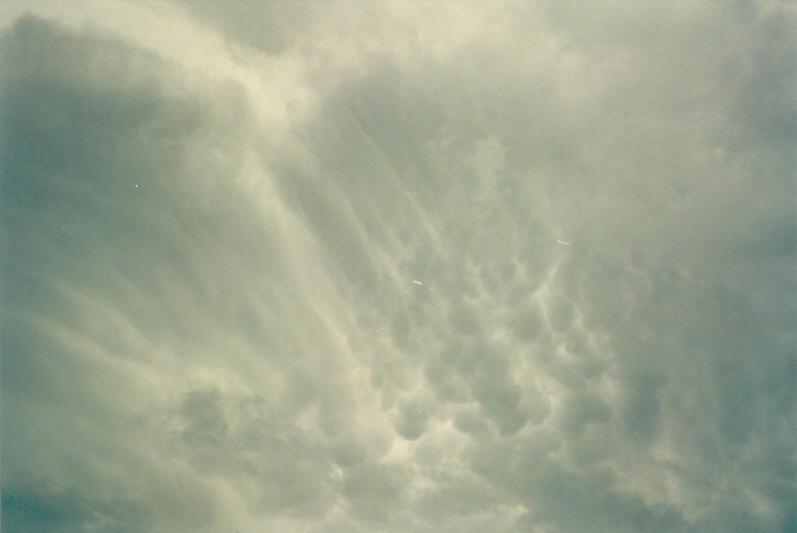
(399, 267)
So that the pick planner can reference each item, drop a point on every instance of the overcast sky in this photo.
(318, 267)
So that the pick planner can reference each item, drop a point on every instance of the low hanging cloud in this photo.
(315, 267)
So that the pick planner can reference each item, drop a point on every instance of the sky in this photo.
(400, 267)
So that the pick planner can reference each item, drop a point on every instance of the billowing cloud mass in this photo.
(399, 267)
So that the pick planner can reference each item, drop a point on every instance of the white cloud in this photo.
(300, 267)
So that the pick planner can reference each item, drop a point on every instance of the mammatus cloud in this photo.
(393, 267)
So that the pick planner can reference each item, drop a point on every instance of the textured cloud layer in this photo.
(321, 267)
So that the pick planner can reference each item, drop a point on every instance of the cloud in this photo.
(214, 220)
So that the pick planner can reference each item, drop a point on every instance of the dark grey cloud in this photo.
(301, 267)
